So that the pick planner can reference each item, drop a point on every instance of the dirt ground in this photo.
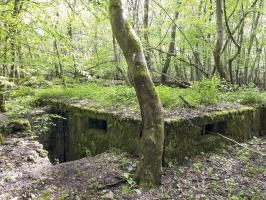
(232, 173)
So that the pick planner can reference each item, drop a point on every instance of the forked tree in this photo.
(152, 136)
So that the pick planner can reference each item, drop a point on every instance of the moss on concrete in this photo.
(81, 140)
(184, 137)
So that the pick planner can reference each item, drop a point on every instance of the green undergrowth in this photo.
(202, 93)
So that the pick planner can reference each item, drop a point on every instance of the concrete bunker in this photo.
(83, 131)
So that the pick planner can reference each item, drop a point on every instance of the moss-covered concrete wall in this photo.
(189, 137)
(185, 137)
(263, 119)
(82, 140)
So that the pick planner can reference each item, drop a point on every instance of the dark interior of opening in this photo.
(98, 124)
(55, 140)
(217, 127)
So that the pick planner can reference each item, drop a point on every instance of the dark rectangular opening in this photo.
(207, 129)
(217, 127)
(98, 124)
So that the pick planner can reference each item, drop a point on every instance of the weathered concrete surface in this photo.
(263, 119)
(185, 136)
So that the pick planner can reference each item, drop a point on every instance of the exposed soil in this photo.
(232, 173)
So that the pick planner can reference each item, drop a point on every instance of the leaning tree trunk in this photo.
(219, 41)
(152, 137)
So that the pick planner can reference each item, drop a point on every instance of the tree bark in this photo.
(70, 35)
(2, 103)
(117, 63)
(171, 51)
(152, 137)
(58, 64)
(146, 32)
(251, 41)
(238, 45)
(18, 4)
(219, 41)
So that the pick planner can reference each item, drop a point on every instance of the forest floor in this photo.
(231, 173)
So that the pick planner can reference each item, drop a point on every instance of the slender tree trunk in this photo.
(251, 41)
(197, 52)
(171, 51)
(264, 80)
(58, 64)
(264, 74)
(14, 71)
(5, 69)
(2, 102)
(219, 40)
(70, 35)
(256, 60)
(152, 137)
(136, 21)
(146, 32)
(197, 62)
(120, 70)
(238, 46)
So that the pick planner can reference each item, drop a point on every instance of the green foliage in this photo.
(99, 95)
(18, 107)
(6, 84)
(131, 185)
(207, 91)
(41, 124)
(104, 95)
(23, 92)
(204, 92)
(246, 95)
(124, 94)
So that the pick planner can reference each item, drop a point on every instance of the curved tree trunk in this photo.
(152, 137)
